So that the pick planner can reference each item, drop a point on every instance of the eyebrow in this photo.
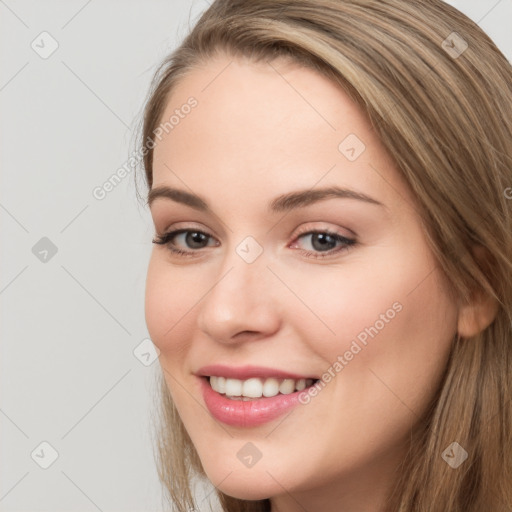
(282, 203)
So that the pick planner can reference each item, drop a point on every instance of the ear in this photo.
(482, 309)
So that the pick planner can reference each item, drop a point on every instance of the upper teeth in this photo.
(257, 387)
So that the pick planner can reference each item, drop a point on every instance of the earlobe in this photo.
(480, 312)
(477, 316)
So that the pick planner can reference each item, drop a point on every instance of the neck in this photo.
(363, 490)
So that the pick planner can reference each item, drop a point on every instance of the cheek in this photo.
(169, 299)
(397, 320)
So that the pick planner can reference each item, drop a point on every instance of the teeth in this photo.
(287, 386)
(301, 384)
(233, 387)
(257, 387)
(252, 388)
(221, 385)
(270, 387)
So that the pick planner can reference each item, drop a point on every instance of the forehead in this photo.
(257, 102)
(266, 125)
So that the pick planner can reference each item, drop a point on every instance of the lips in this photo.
(240, 411)
(248, 372)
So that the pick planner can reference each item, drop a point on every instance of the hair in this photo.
(446, 119)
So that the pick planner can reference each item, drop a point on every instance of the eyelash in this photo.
(166, 238)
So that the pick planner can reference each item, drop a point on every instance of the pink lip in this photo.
(247, 372)
(251, 413)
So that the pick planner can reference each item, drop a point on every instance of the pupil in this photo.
(323, 239)
(195, 237)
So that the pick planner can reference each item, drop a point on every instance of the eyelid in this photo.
(324, 228)
(176, 226)
(302, 230)
(348, 243)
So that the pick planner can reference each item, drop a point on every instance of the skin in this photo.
(259, 131)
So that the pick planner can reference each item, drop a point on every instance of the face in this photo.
(273, 294)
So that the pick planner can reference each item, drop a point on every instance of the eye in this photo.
(321, 241)
(194, 237)
(325, 242)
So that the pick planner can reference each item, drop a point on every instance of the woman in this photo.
(330, 287)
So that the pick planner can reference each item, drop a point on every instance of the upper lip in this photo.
(247, 372)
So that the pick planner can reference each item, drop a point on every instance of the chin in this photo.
(244, 490)
(244, 484)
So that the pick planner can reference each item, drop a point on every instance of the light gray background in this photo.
(70, 324)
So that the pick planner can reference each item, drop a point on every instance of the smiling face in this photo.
(340, 287)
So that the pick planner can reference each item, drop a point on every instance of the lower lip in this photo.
(250, 413)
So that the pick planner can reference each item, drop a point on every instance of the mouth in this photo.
(253, 401)
(256, 387)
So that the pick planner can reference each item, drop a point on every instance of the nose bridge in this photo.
(244, 270)
(241, 295)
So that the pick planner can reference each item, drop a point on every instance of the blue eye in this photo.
(193, 237)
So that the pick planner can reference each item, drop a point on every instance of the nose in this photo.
(241, 304)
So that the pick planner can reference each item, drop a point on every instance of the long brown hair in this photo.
(438, 93)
